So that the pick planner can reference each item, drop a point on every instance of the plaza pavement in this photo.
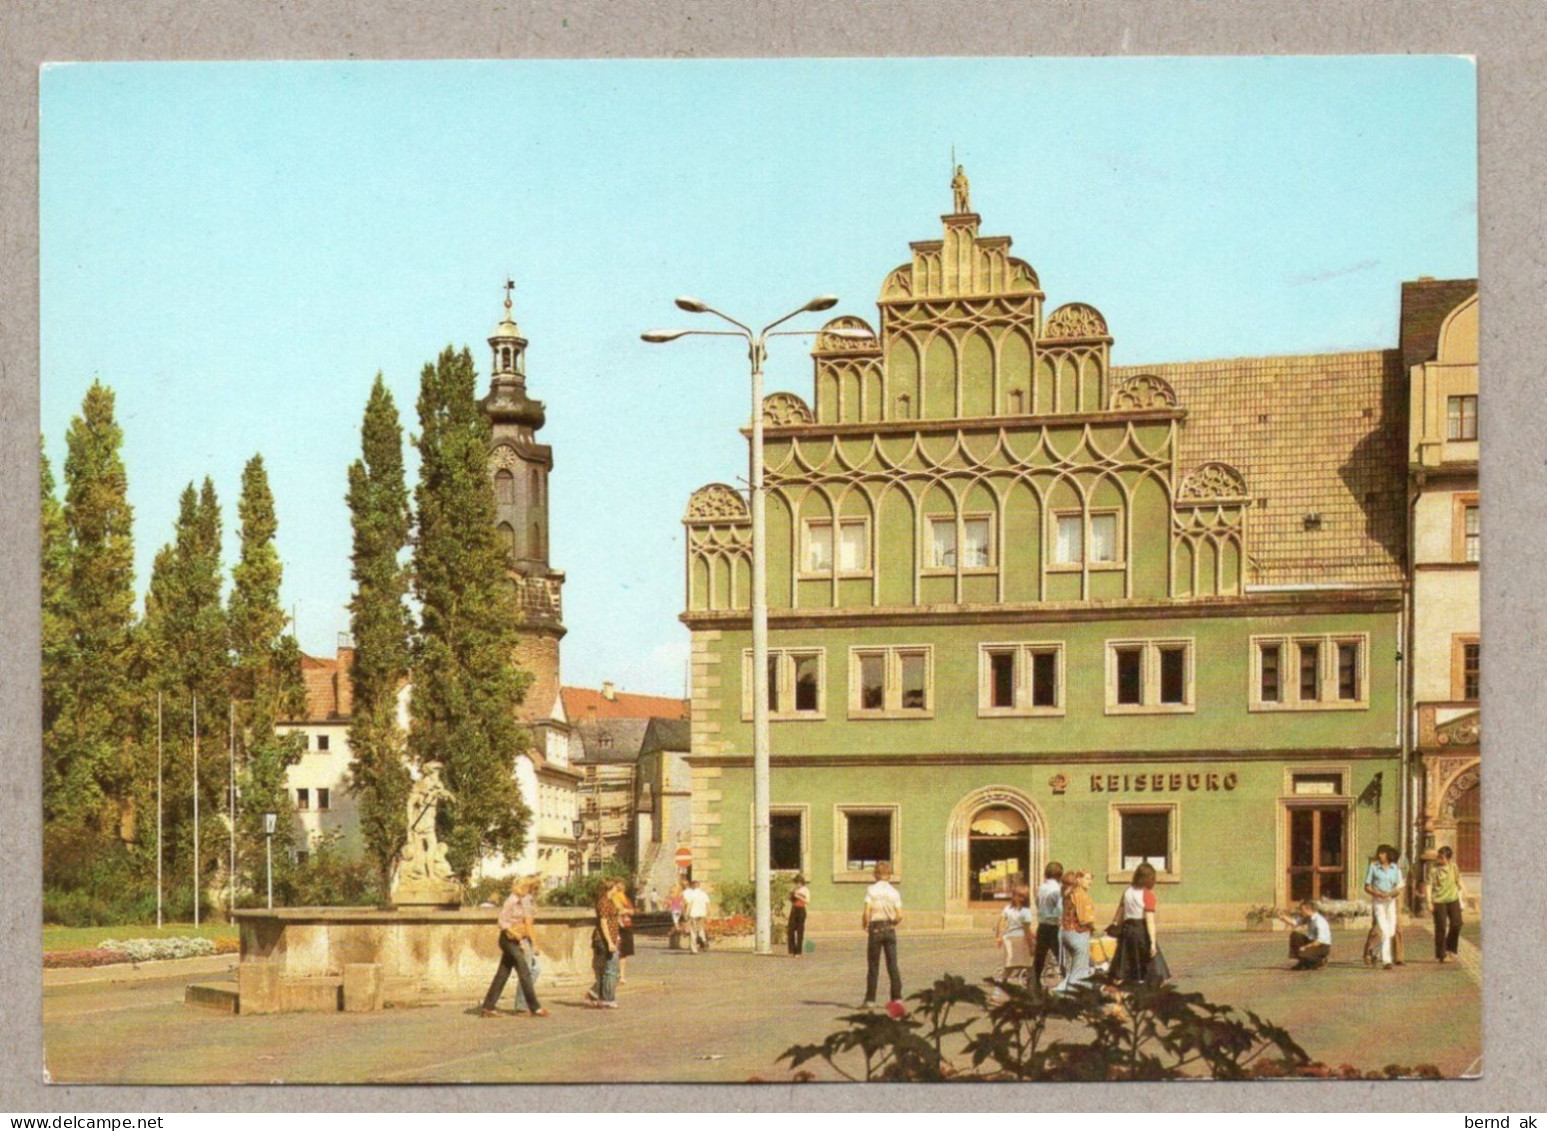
(723, 1016)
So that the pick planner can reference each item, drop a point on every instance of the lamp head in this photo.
(691, 305)
(663, 335)
(821, 302)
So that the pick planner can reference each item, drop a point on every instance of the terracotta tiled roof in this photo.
(328, 691)
(1425, 305)
(1320, 435)
(583, 703)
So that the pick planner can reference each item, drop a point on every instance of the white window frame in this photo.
(1022, 651)
(1326, 676)
(835, 527)
(993, 542)
(1084, 561)
(784, 685)
(1116, 873)
(841, 871)
(1149, 677)
(891, 684)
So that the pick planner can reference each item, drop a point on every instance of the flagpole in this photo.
(195, 810)
(231, 744)
(158, 810)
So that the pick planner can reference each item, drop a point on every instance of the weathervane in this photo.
(510, 285)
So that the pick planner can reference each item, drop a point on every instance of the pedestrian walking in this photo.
(529, 889)
(1138, 959)
(1013, 936)
(1075, 930)
(695, 912)
(1383, 884)
(515, 925)
(674, 904)
(625, 927)
(1310, 942)
(603, 994)
(1446, 894)
(1050, 914)
(882, 914)
(795, 928)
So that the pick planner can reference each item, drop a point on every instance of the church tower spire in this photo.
(520, 466)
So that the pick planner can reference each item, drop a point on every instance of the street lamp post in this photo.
(757, 351)
(269, 821)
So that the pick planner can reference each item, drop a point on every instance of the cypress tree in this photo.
(466, 683)
(382, 629)
(266, 666)
(55, 576)
(92, 732)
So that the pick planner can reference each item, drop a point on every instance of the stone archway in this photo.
(958, 835)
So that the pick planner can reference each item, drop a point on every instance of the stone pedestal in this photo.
(322, 958)
(362, 987)
(417, 894)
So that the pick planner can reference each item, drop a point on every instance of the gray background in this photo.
(1509, 41)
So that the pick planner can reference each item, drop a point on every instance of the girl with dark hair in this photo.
(1138, 958)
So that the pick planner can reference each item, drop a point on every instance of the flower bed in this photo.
(114, 951)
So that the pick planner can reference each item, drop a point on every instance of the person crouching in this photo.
(1310, 943)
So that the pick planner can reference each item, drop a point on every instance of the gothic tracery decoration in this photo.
(717, 502)
(1212, 481)
(1141, 391)
(831, 343)
(1075, 320)
(783, 409)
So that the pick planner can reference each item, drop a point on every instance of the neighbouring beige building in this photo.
(1439, 350)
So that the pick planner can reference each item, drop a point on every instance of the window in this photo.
(1021, 679)
(1466, 530)
(322, 743)
(977, 546)
(1466, 670)
(322, 799)
(797, 683)
(787, 840)
(1140, 834)
(853, 547)
(1461, 418)
(1324, 672)
(1103, 538)
(864, 836)
(1317, 784)
(1145, 676)
(1070, 538)
(942, 543)
(1269, 658)
(303, 799)
(504, 487)
(891, 682)
(1310, 670)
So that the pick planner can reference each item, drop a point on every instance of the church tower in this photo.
(520, 466)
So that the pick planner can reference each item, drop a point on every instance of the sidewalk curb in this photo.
(199, 966)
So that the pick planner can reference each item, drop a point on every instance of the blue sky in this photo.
(237, 249)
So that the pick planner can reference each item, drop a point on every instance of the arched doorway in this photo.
(995, 836)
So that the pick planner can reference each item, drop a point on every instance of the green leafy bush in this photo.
(330, 876)
(584, 891)
(957, 1032)
(739, 897)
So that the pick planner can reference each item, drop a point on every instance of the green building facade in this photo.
(1027, 605)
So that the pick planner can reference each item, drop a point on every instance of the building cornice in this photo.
(971, 423)
(1286, 603)
(1051, 758)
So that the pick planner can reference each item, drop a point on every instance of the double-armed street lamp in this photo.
(757, 351)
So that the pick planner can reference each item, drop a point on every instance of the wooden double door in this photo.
(1318, 852)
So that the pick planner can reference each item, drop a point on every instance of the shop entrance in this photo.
(998, 854)
(1318, 853)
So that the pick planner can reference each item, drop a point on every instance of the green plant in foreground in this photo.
(957, 1032)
